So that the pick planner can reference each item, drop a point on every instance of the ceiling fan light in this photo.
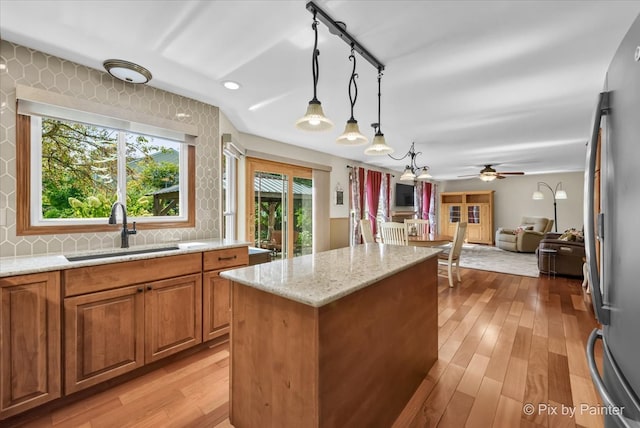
(537, 195)
(352, 135)
(488, 177)
(424, 174)
(407, 175)
(314, 119)
(378, 147)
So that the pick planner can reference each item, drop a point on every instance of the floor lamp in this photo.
(558, 193)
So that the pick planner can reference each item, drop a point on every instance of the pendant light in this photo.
(379, 146)
(314, 119)
(351, 135)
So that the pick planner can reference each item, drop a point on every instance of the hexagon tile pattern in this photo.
(21, 65)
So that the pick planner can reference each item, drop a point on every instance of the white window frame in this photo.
(36, 183)
(232, 152)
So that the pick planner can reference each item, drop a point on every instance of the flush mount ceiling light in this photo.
(378, 146)
(127, 71)
(314, 119)
(351, 135)
(413, 171)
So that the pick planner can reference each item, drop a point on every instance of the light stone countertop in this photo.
(10, 266)
(321, 278)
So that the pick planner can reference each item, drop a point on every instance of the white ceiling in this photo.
(511, 83)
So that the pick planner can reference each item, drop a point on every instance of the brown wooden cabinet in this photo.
(173, 316)
(104, 336)
(117, 318)
(121, 316)
(216, 291)
(216, 305)
(475, 208)
(30, 355)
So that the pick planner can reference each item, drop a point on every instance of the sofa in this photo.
(526, 237)
(568, 256)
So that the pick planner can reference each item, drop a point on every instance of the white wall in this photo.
(512, 198)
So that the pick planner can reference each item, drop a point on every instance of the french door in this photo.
(279, 204)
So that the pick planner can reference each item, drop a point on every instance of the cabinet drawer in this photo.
(104, 277)
(219, 259)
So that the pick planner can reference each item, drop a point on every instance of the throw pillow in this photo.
(522, 228)
(572, 235)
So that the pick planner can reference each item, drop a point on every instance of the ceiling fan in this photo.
(489, 174)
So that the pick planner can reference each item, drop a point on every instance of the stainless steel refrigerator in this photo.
(615, 283)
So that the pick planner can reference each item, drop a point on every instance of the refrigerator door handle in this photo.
(601, 387)
(602, 312)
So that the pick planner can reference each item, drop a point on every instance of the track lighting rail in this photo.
(340, 30)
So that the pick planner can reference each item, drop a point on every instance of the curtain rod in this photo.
(353, 166)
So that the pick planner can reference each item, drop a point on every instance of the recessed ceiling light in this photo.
(182, 115)
(230, 84)
(127, 71)
(3, 66)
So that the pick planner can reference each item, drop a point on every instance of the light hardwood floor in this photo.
(504, 341)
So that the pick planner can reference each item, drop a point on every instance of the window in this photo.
(75, 171)
(231, 152)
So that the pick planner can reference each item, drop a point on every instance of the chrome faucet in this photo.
(124, 235)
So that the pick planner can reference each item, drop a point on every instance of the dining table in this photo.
(429, 240)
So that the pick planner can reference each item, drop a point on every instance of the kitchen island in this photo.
(338, 338)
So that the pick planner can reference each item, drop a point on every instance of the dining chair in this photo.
(421, 226)
(393, 233)
(452, 254)
(366, 231)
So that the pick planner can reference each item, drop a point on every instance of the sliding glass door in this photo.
(279, 207)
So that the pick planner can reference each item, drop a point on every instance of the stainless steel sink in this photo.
(120, 253)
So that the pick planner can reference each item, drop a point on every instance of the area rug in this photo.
(494, 259)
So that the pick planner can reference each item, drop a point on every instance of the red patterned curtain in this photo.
(374, 180)
(361, 188)
(426, 200)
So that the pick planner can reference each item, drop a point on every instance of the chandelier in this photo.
(413, 171)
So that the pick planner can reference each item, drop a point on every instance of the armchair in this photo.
(526, 237)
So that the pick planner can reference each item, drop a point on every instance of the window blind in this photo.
(39, 102)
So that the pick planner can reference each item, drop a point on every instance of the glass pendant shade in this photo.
(537, 195)
(424, 174)
(314, 119)
(407, 175)
(378, 147)
(352, 135)
(488, 177)
(561, 194)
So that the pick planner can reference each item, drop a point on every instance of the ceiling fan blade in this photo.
(511, 173)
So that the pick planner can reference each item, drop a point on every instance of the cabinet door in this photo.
(476, 218)
(450, 215)
(30, 336)
(104, 336)
(173, 311)
(216, 305)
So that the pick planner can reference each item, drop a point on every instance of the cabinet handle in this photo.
(227, 258)
(149, 287)
(140, 290)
